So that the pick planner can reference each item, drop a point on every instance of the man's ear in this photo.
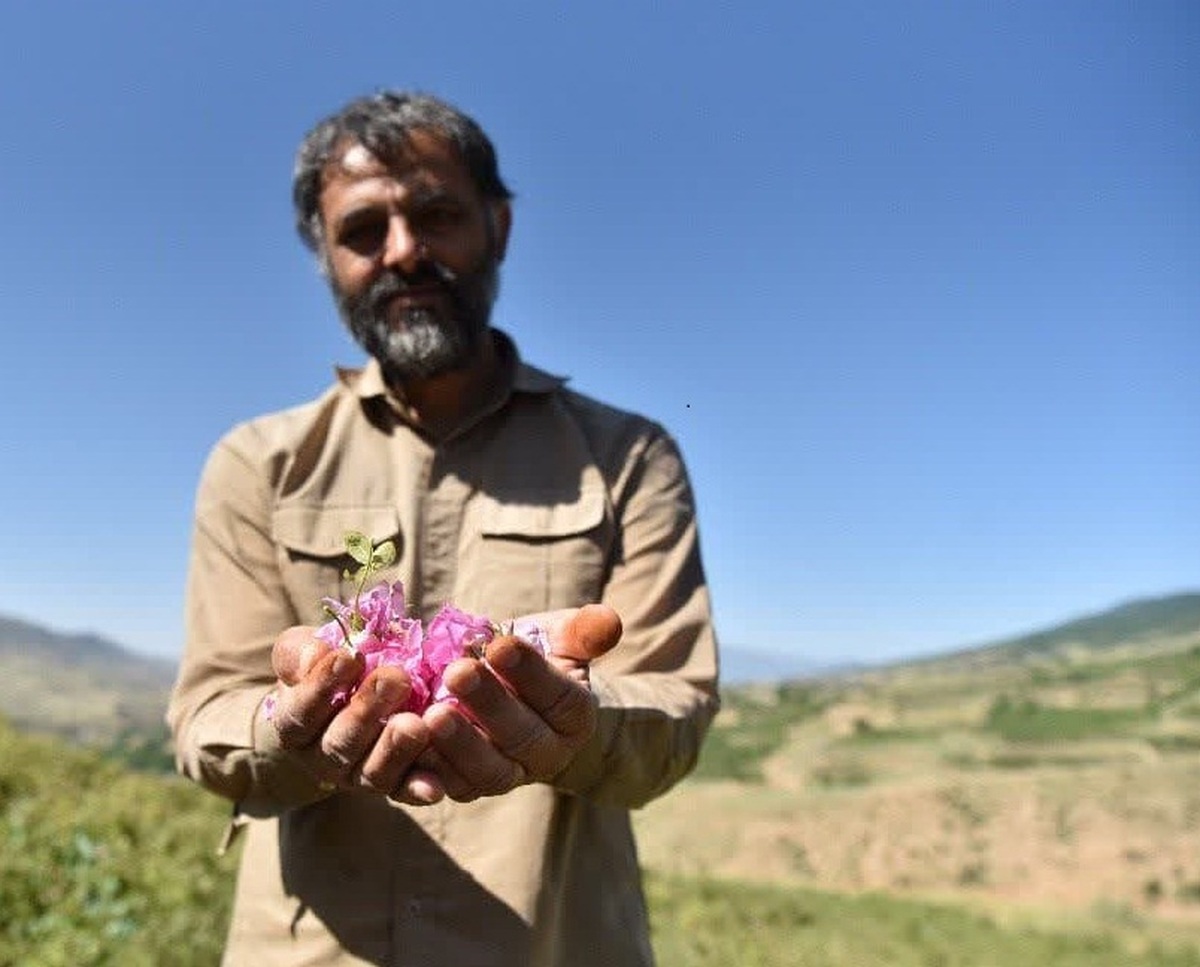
(501, 223)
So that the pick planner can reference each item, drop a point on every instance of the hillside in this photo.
(92, 690)
(82, 687)
(1032, 801)
(1058, 772)
(1123, 626)
(107, 867)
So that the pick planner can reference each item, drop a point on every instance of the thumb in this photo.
(586, 633)
(295, 652)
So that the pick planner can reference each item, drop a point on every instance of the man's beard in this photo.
(426, 340)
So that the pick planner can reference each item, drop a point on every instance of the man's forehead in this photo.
(419, 151)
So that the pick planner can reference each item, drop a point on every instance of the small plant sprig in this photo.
(371, 558)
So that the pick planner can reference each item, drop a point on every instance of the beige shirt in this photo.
(543, 499)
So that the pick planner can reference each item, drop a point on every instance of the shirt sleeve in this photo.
(236, 605)
(657, 690)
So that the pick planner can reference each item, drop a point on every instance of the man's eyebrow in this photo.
(360, 213)
(418, 196)
(429, 194)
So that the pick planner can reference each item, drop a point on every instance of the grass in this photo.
(711, 923)
(100, 865)
(760, 724)
(1029, 721)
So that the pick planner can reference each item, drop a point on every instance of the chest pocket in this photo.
(533, 556)
(312, 550)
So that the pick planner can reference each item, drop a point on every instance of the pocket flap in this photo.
(321, 531)
(533, 519)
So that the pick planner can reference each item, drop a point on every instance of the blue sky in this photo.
(915, 285)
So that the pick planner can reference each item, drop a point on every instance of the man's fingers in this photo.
(420, 787)
(581, 634)
(303, 710)
(469, 764)
(432, 763)
(296, 653)
(354, 729)
(564, 703)
(513, 727)
(388, 767)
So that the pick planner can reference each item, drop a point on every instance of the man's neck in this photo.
(439, 405)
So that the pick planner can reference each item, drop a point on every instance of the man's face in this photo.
(413, 253)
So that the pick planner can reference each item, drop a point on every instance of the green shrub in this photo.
(1028, 721)
(100, 865)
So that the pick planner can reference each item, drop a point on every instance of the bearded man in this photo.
(493, 828)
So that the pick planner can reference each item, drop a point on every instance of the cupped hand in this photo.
(519, 716)
(364, 742)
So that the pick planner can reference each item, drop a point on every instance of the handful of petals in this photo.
(387, 637)
(374, 626)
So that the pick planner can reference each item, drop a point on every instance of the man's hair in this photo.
(383, 123)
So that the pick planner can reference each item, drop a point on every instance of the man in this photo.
(493, 829)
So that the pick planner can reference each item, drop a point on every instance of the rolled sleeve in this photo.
(657, 691)
(236, 605)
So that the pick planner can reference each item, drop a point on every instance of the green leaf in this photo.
(383, 555)
(359, 546)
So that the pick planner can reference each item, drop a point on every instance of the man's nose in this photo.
(402, 249)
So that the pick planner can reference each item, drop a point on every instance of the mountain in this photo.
(1132, 623)
(743, 666)
(80, 686)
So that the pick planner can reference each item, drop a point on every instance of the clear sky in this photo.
(915, 285)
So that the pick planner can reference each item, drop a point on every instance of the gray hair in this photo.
(383, 123)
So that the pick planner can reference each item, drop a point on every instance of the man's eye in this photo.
(439, 217)
(363, 237)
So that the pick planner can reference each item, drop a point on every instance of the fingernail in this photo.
(424, 791)
(343, 665)
(466, 680)
(387, 690)
(308, 655)
(507, 659)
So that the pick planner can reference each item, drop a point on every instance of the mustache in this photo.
(428, 274)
